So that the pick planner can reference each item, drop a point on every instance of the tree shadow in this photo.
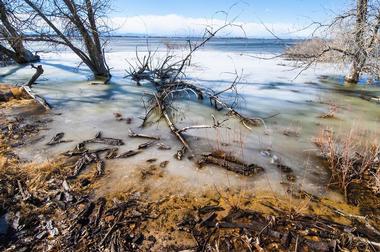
(68, 68)
(12, 70)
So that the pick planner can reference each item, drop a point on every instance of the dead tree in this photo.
(168, 77)
(36, 75)
(82, 27)
(14, 47)
(359, 55)
(353, 40)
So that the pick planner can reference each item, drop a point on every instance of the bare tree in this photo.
(359, 56)
(77, 24)
(14, 47)
(353, 39)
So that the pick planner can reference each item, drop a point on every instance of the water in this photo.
(239, 45)
(268, 89)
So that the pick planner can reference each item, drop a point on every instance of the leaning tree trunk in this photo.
(360, 55)
(17, 50)
(93, 57)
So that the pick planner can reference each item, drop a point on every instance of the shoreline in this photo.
(156, 220)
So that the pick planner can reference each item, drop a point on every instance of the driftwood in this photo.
(112, 153)
(84, 223)
(229, 162)
(82, 162)
(80, 151)
(163, 164)
(105, 140)
(176, 132)
(28, 88)
(24, 193)
(287, 233)
(128, 154)
(133, 134)
(88, 156)
(57, 139)
(180, 153)
(36, 97)
(100, 167)
(246, 170)
(37, 74)
(162, 146)
(169, 79)
(146, 145)
(151, 160)
(370, 98)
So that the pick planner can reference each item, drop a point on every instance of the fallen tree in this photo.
(27, 88)
(168, 77)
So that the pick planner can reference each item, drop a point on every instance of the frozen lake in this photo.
(268, 89)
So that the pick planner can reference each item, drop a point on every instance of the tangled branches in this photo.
(168, 77)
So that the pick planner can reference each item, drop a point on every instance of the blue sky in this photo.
(284, 15)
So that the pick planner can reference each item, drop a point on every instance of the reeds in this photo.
(350, 159)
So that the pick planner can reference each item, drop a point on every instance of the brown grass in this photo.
(349, 158)
(333, 109)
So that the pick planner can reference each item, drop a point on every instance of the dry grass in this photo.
(349, 158)
(333, 109)
(292, 130)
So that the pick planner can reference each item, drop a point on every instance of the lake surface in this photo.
(269, 89)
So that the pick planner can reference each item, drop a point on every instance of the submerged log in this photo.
(146, 145)
(370, 98)
(162, 146)
(37, 74)
(105, 140)
(129, 154)
(230, 163)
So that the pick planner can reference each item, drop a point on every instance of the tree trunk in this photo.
(354, 74)
(36, 75)
(19, 54)
(93, 57)
(360, 56)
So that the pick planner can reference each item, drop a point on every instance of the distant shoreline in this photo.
(141, 36)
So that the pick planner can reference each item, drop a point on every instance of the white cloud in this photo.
(175, 25)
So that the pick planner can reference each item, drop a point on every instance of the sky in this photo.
(286, 18)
